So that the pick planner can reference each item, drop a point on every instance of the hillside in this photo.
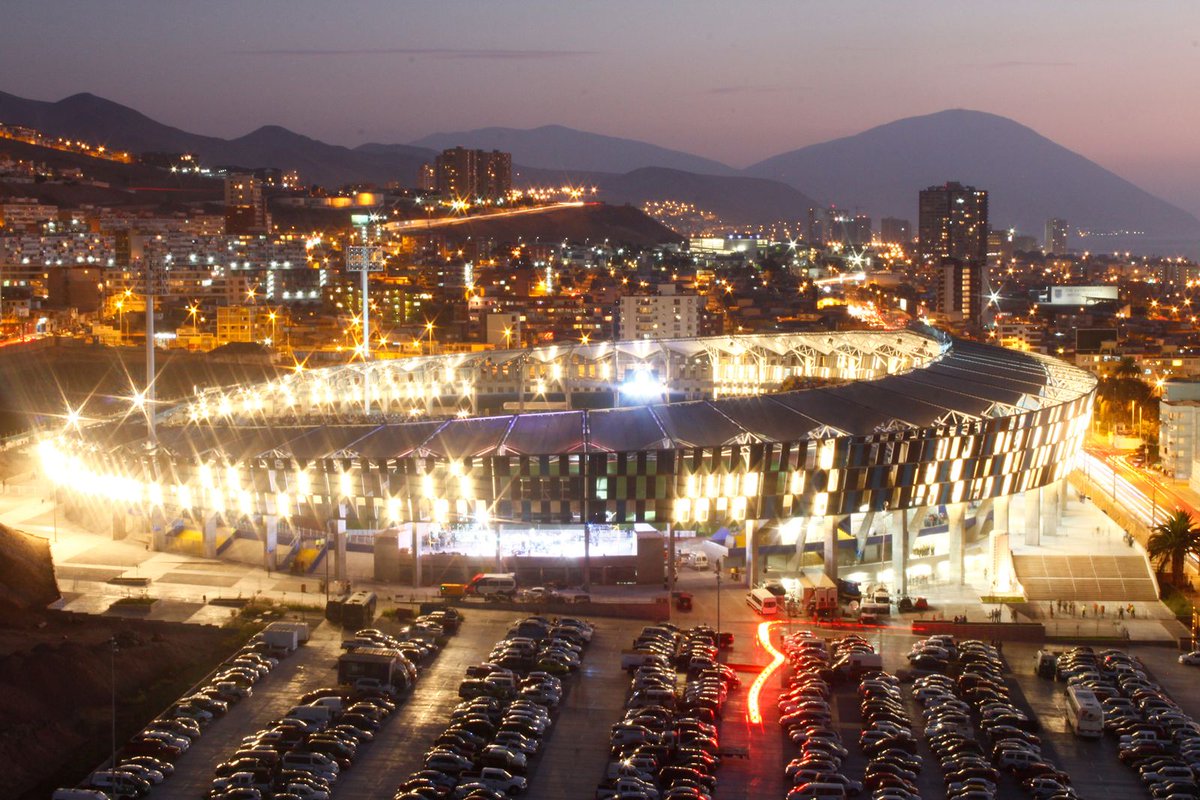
(128, 183)
(736, 200)
(556, 147)
(26, 572)
(595, 222)
(95, 119)
(1029, 177)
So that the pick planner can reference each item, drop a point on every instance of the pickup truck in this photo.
(494, 778)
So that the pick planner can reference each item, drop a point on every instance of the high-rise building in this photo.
(960, 289)
(953, 223)
(665, 315)
(895, 231)
(470, 174)
(1055, 240)
(245, 207)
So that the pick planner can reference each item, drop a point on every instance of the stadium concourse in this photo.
(906, 447)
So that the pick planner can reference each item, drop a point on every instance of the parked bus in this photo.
(358, 610)
(1085, 715)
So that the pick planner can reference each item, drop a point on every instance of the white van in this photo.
(322, 715)
(698, 561)
(489, 584)
(309, 762)
(763, 602)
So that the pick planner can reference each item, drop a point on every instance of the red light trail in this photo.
(764, 638)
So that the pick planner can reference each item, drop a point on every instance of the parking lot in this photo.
(575, 756)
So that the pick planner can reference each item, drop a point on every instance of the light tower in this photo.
(363, 258)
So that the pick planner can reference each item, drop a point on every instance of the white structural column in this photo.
(1050, 509)
(900, 548)
(1062, 498)
(417, 529)
(984, 525)
(209, 536)
(956, 514)
(830, 527)
(1032, 501)
(863, 533)
(1001, 514)
(270, 541)
(752, 562)
(339, 549)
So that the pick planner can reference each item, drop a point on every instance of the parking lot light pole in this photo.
(113, 665)
(718, 602)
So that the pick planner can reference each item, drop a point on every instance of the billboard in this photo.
(1080, 295)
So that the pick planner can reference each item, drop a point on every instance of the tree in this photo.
(1172, 541)
(1127, 368)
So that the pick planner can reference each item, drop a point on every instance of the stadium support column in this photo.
(1062, 498)
(830, 525)
(1000, 514)
(209, 536)
(1050, 509)
(1031, 499)
(339, 546)
(863, 533)
(753, 567)
(956, 514)
(270, 541)
(416, 551)
(900, 547)
(983, 525)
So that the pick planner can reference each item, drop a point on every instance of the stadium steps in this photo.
(1091, 578)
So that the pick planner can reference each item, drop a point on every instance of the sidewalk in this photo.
(85, 561)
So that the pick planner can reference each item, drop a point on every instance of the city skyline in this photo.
(735, 86)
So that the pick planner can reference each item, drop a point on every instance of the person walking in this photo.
(1120, 612)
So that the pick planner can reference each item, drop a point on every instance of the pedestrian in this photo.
(1132, 611)
(1013, 612)
(1083, 613)
(204, 597)
(1102, 609)
(1051, 612)
(1120, 612)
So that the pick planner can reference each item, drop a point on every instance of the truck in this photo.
(282, 640)
(301, 628)
(819, 596)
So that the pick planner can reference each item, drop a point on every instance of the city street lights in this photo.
(429, 330)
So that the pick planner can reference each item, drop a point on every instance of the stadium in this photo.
(776, 450)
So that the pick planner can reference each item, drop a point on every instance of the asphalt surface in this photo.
(575, 754)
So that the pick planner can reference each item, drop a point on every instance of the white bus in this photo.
(1085, 715)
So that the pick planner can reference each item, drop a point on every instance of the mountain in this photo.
(1029, 178)
(559, 148)
(95, 119)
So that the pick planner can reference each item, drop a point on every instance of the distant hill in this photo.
(595, 222)
(556, 147)
(737, 200)
(1029, 178)
(92, 118)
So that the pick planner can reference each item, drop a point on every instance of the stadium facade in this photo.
(698, 435)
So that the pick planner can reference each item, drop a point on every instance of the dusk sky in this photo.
(1114, 80)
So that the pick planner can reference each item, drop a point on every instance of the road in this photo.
(410, 225)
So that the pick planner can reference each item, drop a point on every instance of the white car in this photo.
(1192, 659)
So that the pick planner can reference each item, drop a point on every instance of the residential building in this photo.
(245, 207)
(1177, 414)
(960, 288)
(953, 223)
(1055, 240)
(665, 315)
(473, 174)
(893, 230)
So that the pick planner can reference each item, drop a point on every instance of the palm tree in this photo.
(1172, 541)
(1127, 368)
